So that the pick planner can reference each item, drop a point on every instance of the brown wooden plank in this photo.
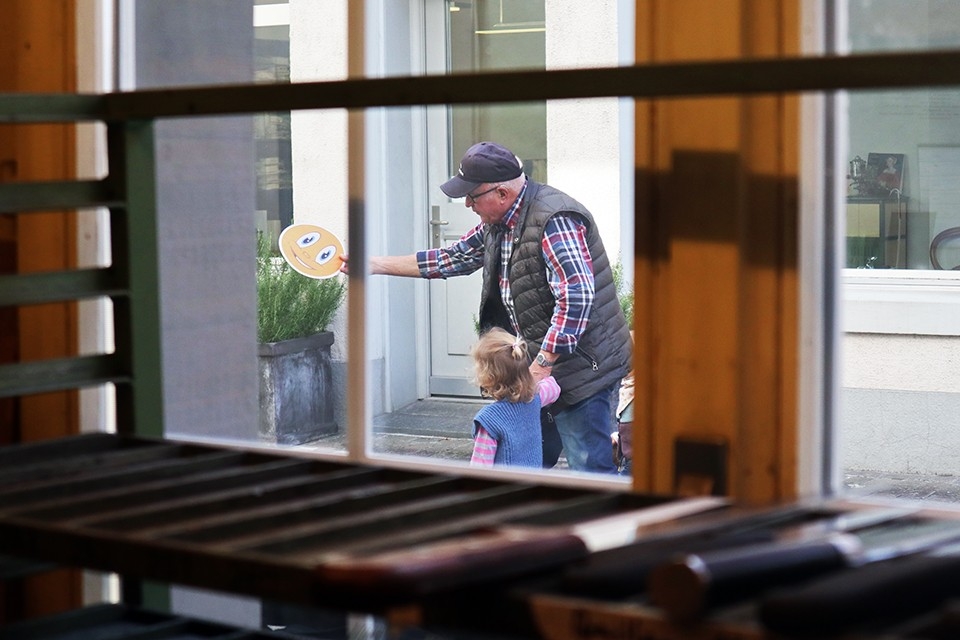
(279, 514)
(45, 450)
(62, 469)
(539, 513)
(327, 513)
(216, 503)
(40, 37)
(34, 495)
(310, 539)
(451, 528)
(174, 480)
(234, 573)
(738, 226)
(586, 505)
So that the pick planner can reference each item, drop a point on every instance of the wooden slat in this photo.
(36, 288)
(57, 468)
(135, 251)
(217, 505)
(351, 520)
(144, 483)
(20, 197)
(34, 107)
(57, 374)
(30, 453)
(536, 513)
(255, 519)
(667, 79)
(67, 487)
(459, 525)
(422, 520)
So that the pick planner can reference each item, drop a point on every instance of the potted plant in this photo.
(296, 374)
(624, 292)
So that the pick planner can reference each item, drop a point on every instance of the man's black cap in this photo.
(484, 162)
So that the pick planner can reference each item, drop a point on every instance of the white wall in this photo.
(94, 64)
(900, 383)
(583, 136)
(318, 33)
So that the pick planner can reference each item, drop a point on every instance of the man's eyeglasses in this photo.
(473, 197)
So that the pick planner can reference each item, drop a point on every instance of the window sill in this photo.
(920, 302)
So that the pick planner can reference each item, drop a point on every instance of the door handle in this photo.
(436, 223)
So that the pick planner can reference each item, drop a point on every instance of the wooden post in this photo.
(716, 263)
(38, 54)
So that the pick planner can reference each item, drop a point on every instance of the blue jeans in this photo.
(585, 431)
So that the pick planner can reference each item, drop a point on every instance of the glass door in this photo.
(480, 36)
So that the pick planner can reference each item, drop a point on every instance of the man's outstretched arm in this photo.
(405, 266)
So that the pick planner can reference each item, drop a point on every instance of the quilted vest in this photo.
(603, 353)
(516, 427)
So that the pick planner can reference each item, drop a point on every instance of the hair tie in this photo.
(518, 347)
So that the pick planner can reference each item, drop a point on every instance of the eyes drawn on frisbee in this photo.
(311, 250)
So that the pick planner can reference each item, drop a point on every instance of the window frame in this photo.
(742, 78)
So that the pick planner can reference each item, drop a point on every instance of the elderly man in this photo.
(547, 277)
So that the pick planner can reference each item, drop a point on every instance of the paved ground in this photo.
(431, 428)
(938, 488)
(440, 428)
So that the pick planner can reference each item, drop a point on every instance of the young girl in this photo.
(507, 432)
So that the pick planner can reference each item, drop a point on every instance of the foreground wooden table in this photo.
(415, 548)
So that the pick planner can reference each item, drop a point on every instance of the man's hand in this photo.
(542, 365)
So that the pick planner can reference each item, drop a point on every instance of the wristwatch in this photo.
(542, 361)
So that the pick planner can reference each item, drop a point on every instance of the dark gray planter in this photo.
(296, 389)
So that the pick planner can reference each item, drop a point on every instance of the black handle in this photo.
(686, 588)
(884, 591)
(625, 571)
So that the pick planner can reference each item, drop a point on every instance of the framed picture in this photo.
(886, 170)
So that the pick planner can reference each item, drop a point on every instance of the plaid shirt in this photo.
(569, 272)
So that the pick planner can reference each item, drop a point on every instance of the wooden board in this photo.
(277, 526)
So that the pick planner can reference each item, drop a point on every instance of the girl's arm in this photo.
(484, 448)
(549, 390)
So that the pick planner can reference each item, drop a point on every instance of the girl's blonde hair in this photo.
(502, 367)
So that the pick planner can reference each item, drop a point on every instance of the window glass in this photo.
(901, 226)
(494, 35)
(229, 187)
(272, 131)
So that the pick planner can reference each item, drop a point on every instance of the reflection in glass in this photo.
(498, 35)
(900, 387)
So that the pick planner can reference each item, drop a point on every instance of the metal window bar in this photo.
(131, 282)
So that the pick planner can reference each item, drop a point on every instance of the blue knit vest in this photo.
(516, 428)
